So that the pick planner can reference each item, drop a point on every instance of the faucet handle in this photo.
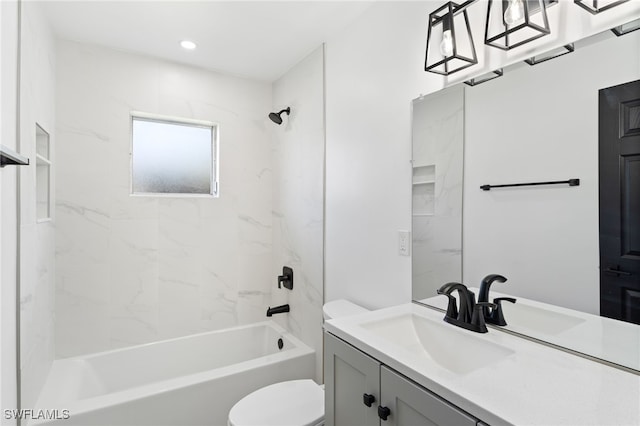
(480, 305)
(286, 278)
(452, 307)
(497, 315)
(477, 320)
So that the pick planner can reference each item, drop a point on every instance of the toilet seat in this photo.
(291, 403)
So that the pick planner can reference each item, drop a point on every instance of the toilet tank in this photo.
(341, 308)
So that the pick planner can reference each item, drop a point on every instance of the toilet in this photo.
(290, 403)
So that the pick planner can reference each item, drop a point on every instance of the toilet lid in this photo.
(292, 403)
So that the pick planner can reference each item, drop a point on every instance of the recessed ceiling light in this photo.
(187, 44)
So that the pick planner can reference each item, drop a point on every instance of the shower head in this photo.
(277, 117)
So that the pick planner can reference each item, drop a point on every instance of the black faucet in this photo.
(469, 315)
(494, 315)
(278, 310)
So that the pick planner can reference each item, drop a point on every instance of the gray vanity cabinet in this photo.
(350, 376)
(353, 378)
(412, 405)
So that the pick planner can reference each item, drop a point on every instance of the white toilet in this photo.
(304, 398)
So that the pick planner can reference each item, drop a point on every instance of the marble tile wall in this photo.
(37, 238)
(135, 269)
(298, 199)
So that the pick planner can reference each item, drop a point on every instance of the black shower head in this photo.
(277, 117)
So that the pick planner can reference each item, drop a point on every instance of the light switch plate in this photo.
(404, 243)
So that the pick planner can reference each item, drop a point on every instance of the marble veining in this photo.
(89, 214)
(136, 269)
(85, 132)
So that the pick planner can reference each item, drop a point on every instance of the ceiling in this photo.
(256, 39)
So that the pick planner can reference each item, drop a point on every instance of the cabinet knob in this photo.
(368, 399)
(383, 412)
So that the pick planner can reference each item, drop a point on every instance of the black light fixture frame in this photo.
(594, 10)
(568, 49)
(486, 77)
(618, 31)
(542, 30)
(436, 17)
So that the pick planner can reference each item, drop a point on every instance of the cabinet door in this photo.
(411, 405)
(348, 375)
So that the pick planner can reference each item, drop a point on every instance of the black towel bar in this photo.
(571, 182)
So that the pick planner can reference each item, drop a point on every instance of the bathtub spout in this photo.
(277, 310)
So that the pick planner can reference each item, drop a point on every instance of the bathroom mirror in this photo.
(534, 124)
(436, 190)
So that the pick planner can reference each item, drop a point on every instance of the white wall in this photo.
(541, 124)
(298, 199)
(8, 224)
(37, 246)
(373, 70)
(372, 73)
(132, 270)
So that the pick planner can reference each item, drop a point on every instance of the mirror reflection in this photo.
(438, 125)
(535, 124)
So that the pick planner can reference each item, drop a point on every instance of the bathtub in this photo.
(193, 380)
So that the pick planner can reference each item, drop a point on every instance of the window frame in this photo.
(215, 153)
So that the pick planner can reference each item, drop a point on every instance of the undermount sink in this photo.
(457, 350)
(539, 320)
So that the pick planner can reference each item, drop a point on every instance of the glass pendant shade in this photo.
(596, 6)
(512, 23)
(450, 45)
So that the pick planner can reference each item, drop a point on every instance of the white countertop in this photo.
(532, 385)
(614, 341)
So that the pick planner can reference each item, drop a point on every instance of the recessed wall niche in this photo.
(43, 175)
(424, 184)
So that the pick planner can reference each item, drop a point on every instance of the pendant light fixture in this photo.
(450, 45)
(596, 6)
(512, 23)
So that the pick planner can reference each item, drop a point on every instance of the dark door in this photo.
(619, 146)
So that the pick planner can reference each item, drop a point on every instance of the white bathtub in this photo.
(193, 380)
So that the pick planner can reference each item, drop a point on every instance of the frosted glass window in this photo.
(173, 157)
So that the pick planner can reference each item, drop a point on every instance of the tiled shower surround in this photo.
(298, 208)
(136, 269)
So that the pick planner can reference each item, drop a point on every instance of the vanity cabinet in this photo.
(361, 391)
(350, 377)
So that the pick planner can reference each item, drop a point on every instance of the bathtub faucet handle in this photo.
(286, 278)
